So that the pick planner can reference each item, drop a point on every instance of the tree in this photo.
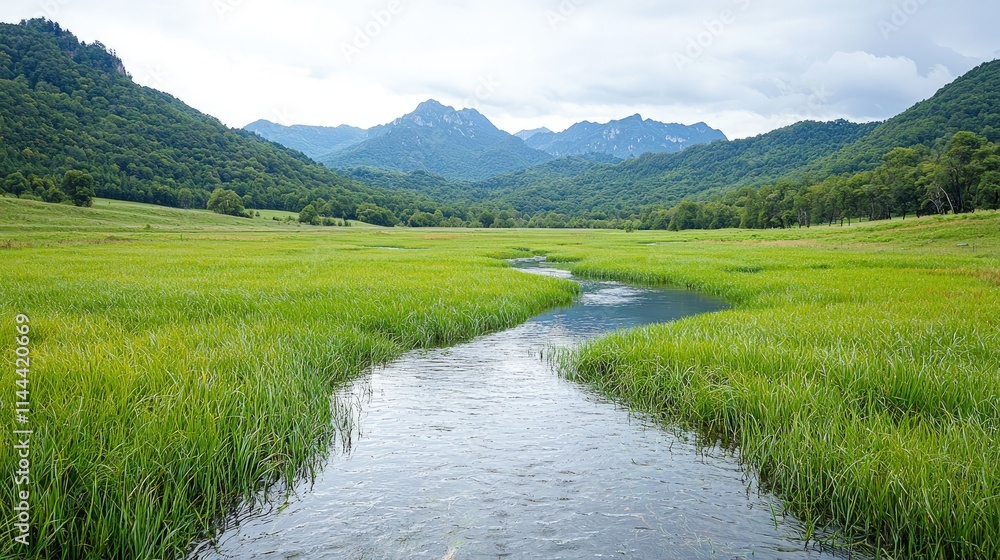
(185, 198)
(79, 187)
(989, 191)
(309, 215)
(423, 219)
(487, 218)
(962, 171)
(687, 215)
(899, 175)
(15, 184)
(376, 215)
(226, 202)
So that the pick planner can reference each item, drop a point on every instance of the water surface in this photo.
(483, 451)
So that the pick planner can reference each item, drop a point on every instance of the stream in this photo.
(483, 451)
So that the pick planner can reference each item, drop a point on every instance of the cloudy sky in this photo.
(744, 66)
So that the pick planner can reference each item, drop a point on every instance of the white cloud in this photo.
(758, 65)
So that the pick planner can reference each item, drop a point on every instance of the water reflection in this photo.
(482, 451)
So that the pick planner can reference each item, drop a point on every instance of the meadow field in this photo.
(181, 360)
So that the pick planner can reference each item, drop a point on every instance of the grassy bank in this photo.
(858, 373)
(180, 366)
(181, 360)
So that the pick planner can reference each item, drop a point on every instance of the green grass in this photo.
(858, 372)
(176, 371)
(182, 366)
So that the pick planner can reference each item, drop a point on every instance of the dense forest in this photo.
(69, 106)
(74, 125)
(963, 177)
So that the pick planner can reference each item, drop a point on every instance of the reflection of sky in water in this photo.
(612, 296)
(482, 450)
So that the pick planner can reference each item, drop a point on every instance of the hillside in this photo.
(664, 179)
(970, 103)
(69, 105)
(459, 145)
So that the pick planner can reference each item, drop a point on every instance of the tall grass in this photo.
(182, 367)
(859, 373)
(172, 378)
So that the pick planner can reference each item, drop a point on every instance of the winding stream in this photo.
(483, 451)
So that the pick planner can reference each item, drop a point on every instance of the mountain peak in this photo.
(458, 144)
(432, 106)
(525, 134)
(625, 138)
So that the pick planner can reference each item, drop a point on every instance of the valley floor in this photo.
(181, 359)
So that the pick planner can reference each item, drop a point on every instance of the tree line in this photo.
(915, 181)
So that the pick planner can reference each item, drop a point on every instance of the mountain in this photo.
(525, 134)
(970, 103)
(459, 145)
(625, 138)
(665, 179)
(313, 141)
(67, 105)
(468, 192)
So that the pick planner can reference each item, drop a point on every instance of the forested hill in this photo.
(68, 105)
(665, 179)
(970, 103)
(460, 145)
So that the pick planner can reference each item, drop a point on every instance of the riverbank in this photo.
(181, 360)
(178, 368)
(859, 373)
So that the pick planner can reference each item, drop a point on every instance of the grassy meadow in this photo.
(182, 360)
(858, 372)
(178, 368)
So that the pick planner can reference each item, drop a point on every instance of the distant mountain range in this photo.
(455, 144)
(465, 145)
(313, 141)
(626, 138)
(525, 134)
(67, 105)
(801, 153)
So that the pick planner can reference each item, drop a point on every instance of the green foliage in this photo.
(67, 105)
(373, 214)
(961, 179)
(15, 184)
(224, 201)
(79, 187)
(309, 215)
(621, 189)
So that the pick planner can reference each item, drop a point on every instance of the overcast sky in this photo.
(743, 66)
